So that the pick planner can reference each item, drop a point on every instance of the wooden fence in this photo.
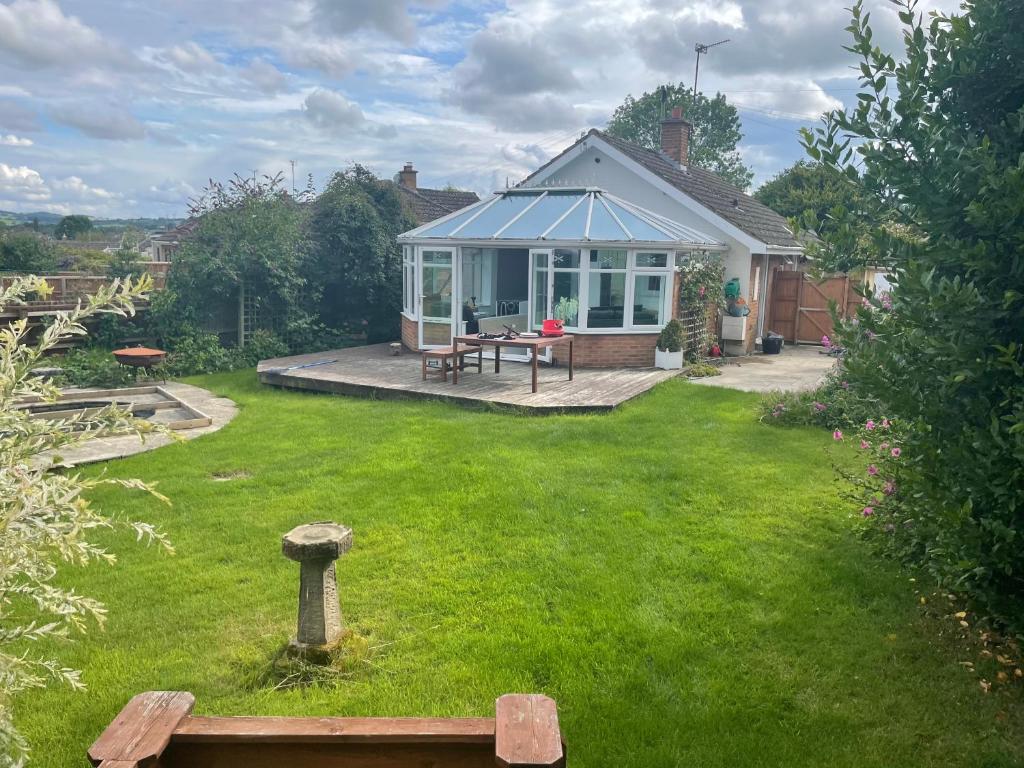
(800, 305)
(158, 729)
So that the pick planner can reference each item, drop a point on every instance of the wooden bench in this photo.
(157, 730)
(457, 356)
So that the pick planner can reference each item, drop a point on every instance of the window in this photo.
(408, 280)
(651, 260)
(437, 284)
(606, 294)
(566, 290)
(649, 299)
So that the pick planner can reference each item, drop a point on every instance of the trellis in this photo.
(699, 323)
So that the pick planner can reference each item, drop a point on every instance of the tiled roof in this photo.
(429, 204)
(709, 189)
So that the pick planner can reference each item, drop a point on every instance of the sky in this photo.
(126, 109)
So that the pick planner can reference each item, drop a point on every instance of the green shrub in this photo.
(671, 337)
(95, 367)
(196, 353)
(701, 370)
(262, 345)
(835, 404)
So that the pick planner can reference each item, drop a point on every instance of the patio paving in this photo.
(796, 368)
(372, 371)
(221, 410)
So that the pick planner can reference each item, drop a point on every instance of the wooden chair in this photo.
(455, 356)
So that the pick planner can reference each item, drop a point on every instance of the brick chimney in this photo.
(407, 177)
(675, 137)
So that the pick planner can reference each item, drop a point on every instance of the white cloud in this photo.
(22, 183)
(265, 77)
(192, 58)
(74, 188)
(99, 121)
(35, 34)
(10, 140)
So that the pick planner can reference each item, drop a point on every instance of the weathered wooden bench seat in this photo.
(453, 356)
(157, 730)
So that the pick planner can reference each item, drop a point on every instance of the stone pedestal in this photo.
(315, 547)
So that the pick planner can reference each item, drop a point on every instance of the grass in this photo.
(680, 578)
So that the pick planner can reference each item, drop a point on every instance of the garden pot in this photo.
(668, 361)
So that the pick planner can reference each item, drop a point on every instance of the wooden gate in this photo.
(800, 305)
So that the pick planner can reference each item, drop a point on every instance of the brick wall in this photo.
(624, 350)
(410, 337)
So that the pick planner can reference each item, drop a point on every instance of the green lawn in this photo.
(679, 577)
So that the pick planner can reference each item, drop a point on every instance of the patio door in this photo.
(541, 289)
(438, 290)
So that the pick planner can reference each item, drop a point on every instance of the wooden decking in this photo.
(373, 371)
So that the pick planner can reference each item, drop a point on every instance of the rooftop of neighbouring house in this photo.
(429, 204)
(706, 187)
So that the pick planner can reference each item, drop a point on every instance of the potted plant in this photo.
(669, 353)
(566, 309)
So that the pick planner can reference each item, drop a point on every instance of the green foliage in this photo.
(46, 519)
(95, 367)
(91, 262)
(125, 260)
(716, 128)
(70, 227)
(835, 404)
(26, 253)
(262, 345)
(197, 352)
(671, 337)
(938, 137)
(567, 310)
(702, 281)
(250, 233)
(354, 228)
(701, 370)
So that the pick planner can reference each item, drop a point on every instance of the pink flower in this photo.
(819, 407)
(872, 335)
(886, 423)
(826, 342)
(884, 447)
(845, 385)
(864, 445)
(895, 452)
(869, 425)
(868, 511)
(872, 470)
(837, 435)
(889, 488)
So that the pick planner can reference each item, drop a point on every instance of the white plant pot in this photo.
(669, 361)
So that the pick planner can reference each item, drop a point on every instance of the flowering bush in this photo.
(835, 404)
(875, 484)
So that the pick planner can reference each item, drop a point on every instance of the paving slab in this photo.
(221, 410)
(794, 369)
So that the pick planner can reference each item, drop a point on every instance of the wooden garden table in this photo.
(534, 345)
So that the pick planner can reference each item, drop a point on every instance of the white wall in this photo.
(584, 171)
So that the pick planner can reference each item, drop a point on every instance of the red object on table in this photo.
(552, 328)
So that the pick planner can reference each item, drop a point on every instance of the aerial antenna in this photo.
(293, 175)
(701, 48)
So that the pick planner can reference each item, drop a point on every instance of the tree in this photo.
(716, 128)
(937, 138)
(354, 227)
(26, 252)
(70, 227)
(45, 517)
(251, 238)
(125, 260)
(810, 187)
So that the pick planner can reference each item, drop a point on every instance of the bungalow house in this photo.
(599, 230)
(429, 204)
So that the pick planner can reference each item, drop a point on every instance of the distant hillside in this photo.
(47, 221)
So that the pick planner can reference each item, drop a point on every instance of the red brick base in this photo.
(591, 350)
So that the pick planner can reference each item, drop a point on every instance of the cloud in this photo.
(74, 188)
(99, 121)
(10, 140)
(389, 17)
(35, 34)
(332, 57)
(332, 112)
(265, 77)
(15, 117)
(22, 183)
(192, 58)
(169, 192)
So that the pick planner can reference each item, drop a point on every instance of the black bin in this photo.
(772, 344)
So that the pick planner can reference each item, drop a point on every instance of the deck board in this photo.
(372, 371)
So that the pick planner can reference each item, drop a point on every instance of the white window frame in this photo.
(409, 283)
(585, 293)
(582, 273)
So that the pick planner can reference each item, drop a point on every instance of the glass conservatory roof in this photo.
(571, 215)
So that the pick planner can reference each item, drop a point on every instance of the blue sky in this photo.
(128, 108)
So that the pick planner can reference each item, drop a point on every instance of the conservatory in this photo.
(602, 264)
